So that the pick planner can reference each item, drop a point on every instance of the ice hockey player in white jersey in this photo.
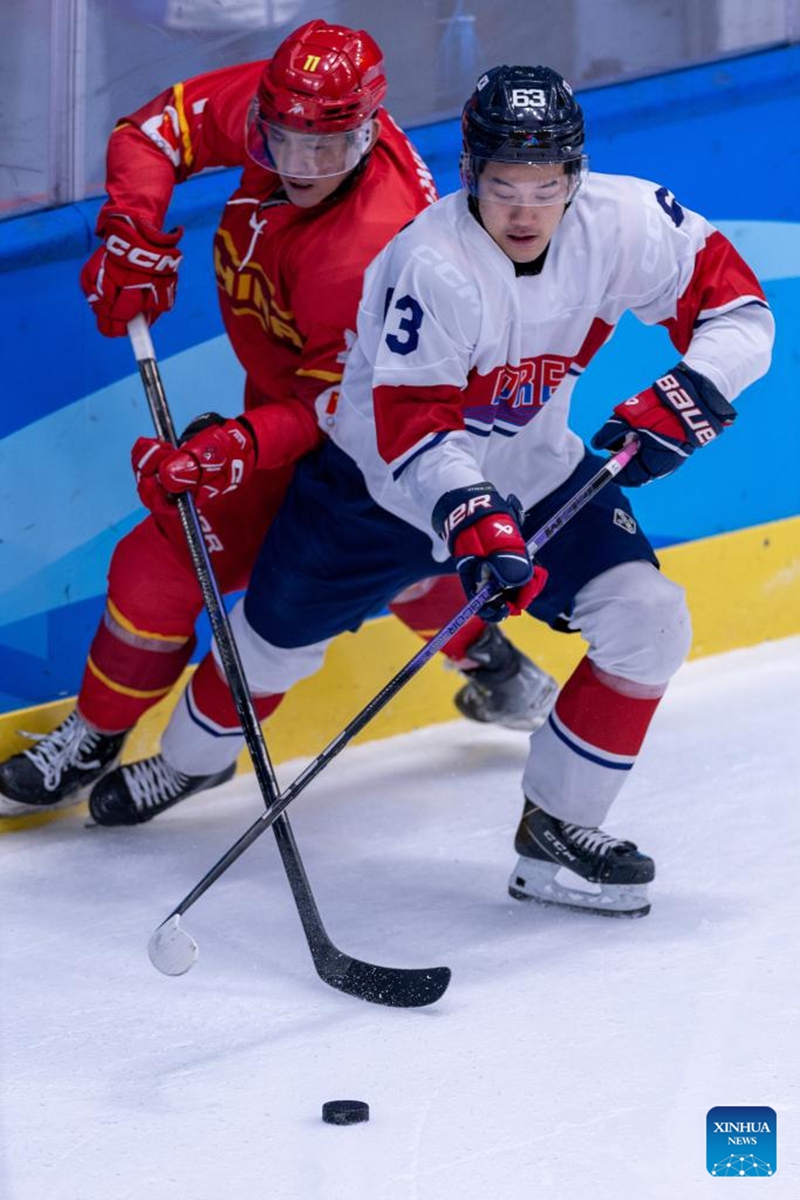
(475, 324)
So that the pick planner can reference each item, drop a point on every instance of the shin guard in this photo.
(581, 756)
(204, 735)
(128, 671)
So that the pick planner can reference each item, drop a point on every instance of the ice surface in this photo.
(573, 1058)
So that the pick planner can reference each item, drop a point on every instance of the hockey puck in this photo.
(345, 1112)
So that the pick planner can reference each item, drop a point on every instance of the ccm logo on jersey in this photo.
(137, 256)
(462, 511)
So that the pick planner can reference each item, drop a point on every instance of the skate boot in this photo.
(505, 688)
(140, 791)
(576, 867)
(57, 771)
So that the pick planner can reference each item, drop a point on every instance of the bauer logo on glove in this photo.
(483, 535)
(678, 413)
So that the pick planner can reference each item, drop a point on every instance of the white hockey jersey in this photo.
(462, 370)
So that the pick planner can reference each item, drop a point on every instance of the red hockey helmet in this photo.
(323, 78)
(312, 114)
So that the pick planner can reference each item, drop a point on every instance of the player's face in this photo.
(521, 206)
(311, 165)
(305, 193)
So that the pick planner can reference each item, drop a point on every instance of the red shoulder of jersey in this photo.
(408, 416)
(721, 281)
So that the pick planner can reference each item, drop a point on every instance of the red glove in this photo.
(678, 413)
(483, 535)
(213, 462)
(134, 271)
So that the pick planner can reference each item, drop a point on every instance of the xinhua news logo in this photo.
(741, 1141)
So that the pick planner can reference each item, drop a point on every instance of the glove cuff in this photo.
(112, 222)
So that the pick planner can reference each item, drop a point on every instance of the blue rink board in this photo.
(73, 404)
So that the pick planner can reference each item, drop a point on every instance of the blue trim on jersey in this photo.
(593, 758)
(488, 430)
(750, 304)
(420, 450)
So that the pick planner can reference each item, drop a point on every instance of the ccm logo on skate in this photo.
(563, 851)
(138, 257)
(683, 404)
(462, 511)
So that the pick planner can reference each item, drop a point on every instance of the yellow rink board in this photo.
(743, 588)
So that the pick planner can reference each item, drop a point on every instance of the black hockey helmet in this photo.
(522, 115)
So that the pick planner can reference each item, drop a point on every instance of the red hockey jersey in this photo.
(289, 278)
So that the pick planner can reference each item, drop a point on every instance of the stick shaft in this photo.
(604, 475)
(162, 420)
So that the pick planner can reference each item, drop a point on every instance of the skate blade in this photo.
(550, 884)
(15, 808)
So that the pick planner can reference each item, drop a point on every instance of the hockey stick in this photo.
(171, 927)
(171, 949)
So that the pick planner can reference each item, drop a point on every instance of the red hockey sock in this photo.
(128, 671)
(212, 697)
(606, 711)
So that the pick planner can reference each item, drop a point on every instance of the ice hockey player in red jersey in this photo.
(475, 324)
(327, 178)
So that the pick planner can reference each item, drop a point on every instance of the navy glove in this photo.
(679, 412)
(483, 535)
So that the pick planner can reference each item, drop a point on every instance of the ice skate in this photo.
(505, 688)
(58, 770)
(140, 791)
(579, 868)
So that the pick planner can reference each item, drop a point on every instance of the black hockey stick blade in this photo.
(173, 951)
(395, 987)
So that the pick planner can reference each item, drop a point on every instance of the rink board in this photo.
(743, 588)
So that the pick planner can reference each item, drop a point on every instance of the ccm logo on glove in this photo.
(134, 272)
(137, 256)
